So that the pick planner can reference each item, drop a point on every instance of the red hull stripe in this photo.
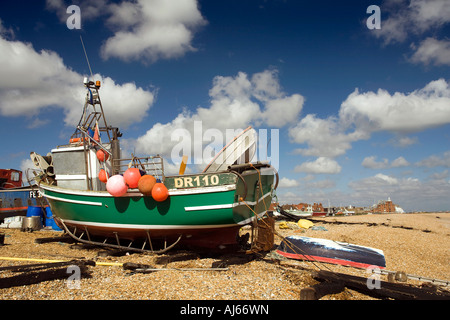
(13, 209)
(327, 260)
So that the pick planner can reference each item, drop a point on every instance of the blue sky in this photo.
(363, 114)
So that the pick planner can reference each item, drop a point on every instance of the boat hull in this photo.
(319, 214)
(208, 215)
(15, 201)
(328, 251)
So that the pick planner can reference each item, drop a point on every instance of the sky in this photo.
(353, 97)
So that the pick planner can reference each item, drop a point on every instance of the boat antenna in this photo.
(84, 49)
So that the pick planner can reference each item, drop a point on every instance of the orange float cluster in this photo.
(118, 185)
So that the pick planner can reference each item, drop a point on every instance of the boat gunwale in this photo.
(172, 192)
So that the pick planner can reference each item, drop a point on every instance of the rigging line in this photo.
(311, 259)
(84, 49)
(287, 242)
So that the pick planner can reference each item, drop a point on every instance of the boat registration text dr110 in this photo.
(199, 181)
(196, 181)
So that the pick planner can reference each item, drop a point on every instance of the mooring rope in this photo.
(288, 243)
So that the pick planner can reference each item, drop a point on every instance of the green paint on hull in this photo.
(142, 210)
(218, 204)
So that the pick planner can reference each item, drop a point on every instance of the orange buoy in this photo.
(103, 176)
(132, 176)
(77, 140)
(102, 155)
(116, 186)
(146, 184)
(160, 192)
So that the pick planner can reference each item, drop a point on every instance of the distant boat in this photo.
(399, 210)
(345, 212)
(329, 251)
(300, 213)
(319, 213)
(293, 214)
(308, 212)
(14, 197)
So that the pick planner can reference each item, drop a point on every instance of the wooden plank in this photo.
(30, 276)
(37, 266)
(319, 290)
(64, 238)
(384, 289)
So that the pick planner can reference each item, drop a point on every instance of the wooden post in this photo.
(319, 290)
(386, 289)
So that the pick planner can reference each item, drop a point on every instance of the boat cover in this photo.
(329, 251)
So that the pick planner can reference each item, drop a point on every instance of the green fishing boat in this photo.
(205, 210)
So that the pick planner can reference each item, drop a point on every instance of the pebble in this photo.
(264, 278)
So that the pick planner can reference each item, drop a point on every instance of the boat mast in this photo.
(92, 119)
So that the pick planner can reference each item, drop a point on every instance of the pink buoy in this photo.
(132, 176)
(116, 186)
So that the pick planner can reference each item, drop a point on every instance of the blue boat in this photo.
(329, 251)
(14, 197)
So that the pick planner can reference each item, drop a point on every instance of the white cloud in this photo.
(288, 197)
(144, 30)
(379, 180)
(410, 193)
(6, 32)
(152, 30)
(432, 51)
(436, 161)
(425, 15)
(320, 165)
(279, 112)
(403, 141)
(90, 9)
(325, 137)
(440, 175)
(371, 163)
(126, 103)
(236, 103)
(399, 162)
(415, 17)
(421, 109)
(33, 81)
(362, 114)
(322, 184)
(288, 183)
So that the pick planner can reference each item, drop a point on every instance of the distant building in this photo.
(317, 207)
(386, 207)
(273, 206)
